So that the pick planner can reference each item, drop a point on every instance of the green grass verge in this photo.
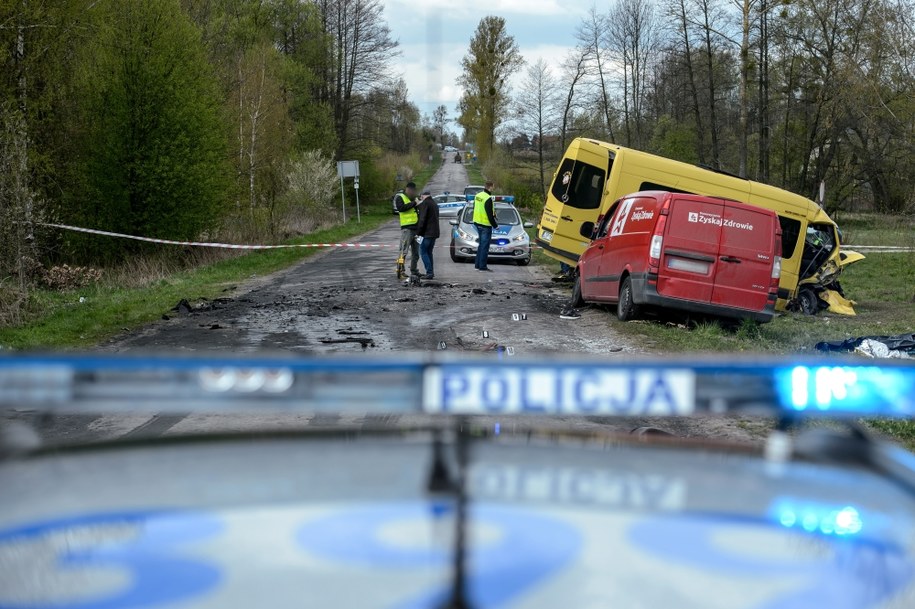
(900, 431)
(61, 321)
(474, 173)
(423, 175)
(877, 229)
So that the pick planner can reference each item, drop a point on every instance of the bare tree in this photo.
(682, 28)
(574, 70)
(537, 110)
(748, 11)
(633, 36)
(356, 61)
(440, 121)
(710, 14)
(592, 40)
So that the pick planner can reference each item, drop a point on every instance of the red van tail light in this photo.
(776, 274)
(657, 237)
(777, 264)
(654, 252)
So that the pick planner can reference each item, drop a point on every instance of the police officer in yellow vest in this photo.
(406, 207)
(484, 219)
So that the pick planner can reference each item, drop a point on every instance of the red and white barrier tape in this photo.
(105, 233)
(231, 246)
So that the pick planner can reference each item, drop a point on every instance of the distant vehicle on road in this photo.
(471, 190)
(450, 149)
(509, 242)
(700, 254)
(449, 205)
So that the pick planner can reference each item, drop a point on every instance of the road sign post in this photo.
(349, 169)
(356, 187)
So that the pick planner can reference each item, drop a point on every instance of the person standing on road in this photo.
(484, 219)
(409, 217)
(427, 231)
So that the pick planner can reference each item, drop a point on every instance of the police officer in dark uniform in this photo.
(427, 231)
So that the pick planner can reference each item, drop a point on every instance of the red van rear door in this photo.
(690, 251)
(745, 257)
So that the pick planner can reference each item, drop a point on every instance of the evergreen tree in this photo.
(150, 144)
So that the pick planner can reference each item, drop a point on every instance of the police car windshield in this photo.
(506, 215)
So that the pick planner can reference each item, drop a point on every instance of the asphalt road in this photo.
(349, 301)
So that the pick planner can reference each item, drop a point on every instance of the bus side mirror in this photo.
(587, 229)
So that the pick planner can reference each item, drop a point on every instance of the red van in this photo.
(681, 251)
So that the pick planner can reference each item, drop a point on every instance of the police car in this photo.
(469, 496)
(449, 205)
(509, 242)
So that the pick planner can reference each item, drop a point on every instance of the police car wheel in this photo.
(454, 258)
(626, 309)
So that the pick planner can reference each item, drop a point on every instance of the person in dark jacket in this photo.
(427, 231)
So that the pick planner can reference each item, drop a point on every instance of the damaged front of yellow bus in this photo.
(822, 262)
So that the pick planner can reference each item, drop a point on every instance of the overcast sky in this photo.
(434, 36)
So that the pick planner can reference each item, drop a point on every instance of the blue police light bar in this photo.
(855, 389)
(496, 198)
(818, 518)
(449, 386)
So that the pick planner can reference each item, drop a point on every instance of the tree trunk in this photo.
(567, 108)
(22, 84)
(252, 151)
(694, 91)
(764, 135)
(744, 93)
(606, 100)
(716, 153)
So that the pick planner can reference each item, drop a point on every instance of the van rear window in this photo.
(579, 185)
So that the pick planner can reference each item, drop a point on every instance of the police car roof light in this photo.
(451, 385)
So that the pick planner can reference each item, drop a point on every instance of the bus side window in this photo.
(791, 231)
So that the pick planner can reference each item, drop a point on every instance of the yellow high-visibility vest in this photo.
(479, 209)
(410, 216)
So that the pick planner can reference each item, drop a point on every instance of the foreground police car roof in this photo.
(455, 509)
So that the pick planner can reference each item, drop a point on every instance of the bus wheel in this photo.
(807, 302)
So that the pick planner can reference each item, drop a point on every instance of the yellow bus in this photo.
(593, 174)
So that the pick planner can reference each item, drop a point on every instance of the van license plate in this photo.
(690, 266)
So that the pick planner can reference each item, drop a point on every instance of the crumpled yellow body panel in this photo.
(837, 303)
